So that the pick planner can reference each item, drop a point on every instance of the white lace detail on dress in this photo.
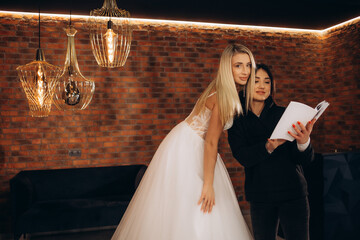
(200, 122)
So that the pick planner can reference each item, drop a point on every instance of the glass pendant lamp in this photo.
(73, 91)
(38, 80)
(110, 34)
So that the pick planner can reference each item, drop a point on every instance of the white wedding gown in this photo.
(164, 206)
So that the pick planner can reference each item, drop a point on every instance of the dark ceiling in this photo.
(309, 14)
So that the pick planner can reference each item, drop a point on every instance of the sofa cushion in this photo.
(82, 182)
(73, 214)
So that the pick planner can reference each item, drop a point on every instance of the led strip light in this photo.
(143, 21)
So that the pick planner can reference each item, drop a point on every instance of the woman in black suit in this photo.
(275, 184)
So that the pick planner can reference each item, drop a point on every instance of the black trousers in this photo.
(293, 217)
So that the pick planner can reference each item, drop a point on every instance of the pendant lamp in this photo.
(110, 34)
(73, 91)
(38, 80)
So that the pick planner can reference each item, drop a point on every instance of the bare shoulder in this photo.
(211, 101)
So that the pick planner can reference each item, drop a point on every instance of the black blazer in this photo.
(268, 177)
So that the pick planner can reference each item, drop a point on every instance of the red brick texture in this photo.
(134, 107)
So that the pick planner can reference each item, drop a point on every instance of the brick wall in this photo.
(134, 107)
(341, 60)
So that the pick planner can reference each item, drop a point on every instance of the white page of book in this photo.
(294, 112)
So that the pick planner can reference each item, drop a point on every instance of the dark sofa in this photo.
(69, 199)
(342, 195)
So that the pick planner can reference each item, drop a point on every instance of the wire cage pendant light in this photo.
(110, 34)
(38, 80)
(73, 91)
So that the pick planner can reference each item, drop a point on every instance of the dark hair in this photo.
(267, 70)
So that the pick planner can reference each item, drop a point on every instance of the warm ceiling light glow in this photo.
(340, 25)
(143, 21)
(218, 25)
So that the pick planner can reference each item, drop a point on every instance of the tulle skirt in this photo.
(164, 206)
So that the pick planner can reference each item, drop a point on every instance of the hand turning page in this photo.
(294, 112)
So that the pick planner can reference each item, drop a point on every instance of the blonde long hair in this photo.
(225, 87)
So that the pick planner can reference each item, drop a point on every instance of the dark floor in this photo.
(97, 234)
(88, 235)
(93, 234)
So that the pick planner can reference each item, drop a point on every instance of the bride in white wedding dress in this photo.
(186, 192)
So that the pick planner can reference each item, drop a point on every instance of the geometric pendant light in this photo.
(38, 80)
(110, 34)
(73, 91)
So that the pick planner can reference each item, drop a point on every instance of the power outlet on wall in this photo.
(75, 153)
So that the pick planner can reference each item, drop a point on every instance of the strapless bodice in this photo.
(200, 122)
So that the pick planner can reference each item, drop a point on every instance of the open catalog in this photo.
(295, 112)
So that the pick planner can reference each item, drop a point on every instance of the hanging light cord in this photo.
(69, 69)
(39, 25)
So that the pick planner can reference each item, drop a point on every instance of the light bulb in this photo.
(110, 42)
(40, 85)
(71, 94)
